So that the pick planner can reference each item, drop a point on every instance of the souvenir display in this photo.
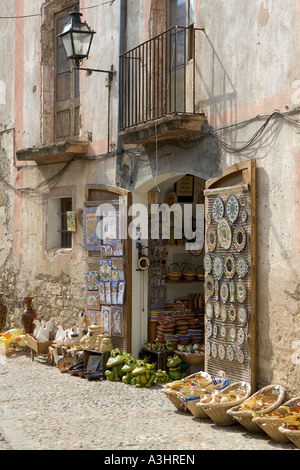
(117, 326)
(241, 291)
(241, 266)
(215, 330)
(242, 315)
(211, 238)
(214, 350)
(209, 309)
(106, 319)
(223, 312)
(223, 332)
(91, 241)
(209, 329)
(224, 234)
(92, 300)
(207, 348)
(121, 291)
(218, 209)
(229, 265)
(107, 288)
(224, 292)
(114, 292)
(105, 269)
(209, 286)
(243, 200)
(244, 215)
(218, 266)
(239, 238)
(102, 292)
(217, 309)
(221, 351)
(232, 208)
(232, 314)
(232, 333)
(91, 280)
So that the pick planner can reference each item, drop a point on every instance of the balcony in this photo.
(160, 87)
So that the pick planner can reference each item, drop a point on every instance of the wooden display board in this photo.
(230, 273)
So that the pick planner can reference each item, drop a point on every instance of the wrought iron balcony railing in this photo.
(158, 77)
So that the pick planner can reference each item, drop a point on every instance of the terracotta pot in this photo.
(28, 315)
(3, 312)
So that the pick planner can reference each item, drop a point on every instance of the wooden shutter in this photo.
(96, 195)
(230, 211)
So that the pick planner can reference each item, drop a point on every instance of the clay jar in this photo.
(28, 315)
(3, 312)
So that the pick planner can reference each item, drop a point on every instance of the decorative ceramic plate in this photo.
(223, 312)
(240, 336)
(209, 329)
(244, 215)
(230, 353)
(209, 286)
(217, 309)
(232, 291)
(217, 289)
(209, 219)
(239, 238)
(207, 263)
(232, 333)
(232, 208)
(214, 350)
(209, 309)
(211, 238)
(231, 313)
(221, 351)
(241, 291)
(229, 265)
(242, 315)
(224, 292)
(207, 348)
(243, 200)
(241, 266)
(223, 331)
(240, 356)
(218, 266)
(218, 209)
(64, 363)
(215, 330)
(224, 234)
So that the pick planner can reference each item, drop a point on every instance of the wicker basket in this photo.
(189, 272)
(271, 425)
(191, 358)
(217, 412)
(245, 417)
(174, 395)
(174, 275)
(293, 436)
(200, 273)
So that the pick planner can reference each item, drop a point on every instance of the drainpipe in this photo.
(122, 42)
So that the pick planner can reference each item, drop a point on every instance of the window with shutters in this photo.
(67, 93)
(58, 235)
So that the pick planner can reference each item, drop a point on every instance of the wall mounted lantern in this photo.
(77, 38)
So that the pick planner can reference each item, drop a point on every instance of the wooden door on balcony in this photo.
(230, 273)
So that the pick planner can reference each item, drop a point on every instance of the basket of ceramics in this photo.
(273, 421)
(263, 401)
(217, 403)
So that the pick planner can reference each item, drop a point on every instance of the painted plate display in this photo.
(243, 200)
(232, 208)
(209, 286)
(221, 351)
(232, 313)
(223, 312)
(232, 291)
(240, 356)
(207, 263)
(214, 350)
(209, 309)
(215, 330)
(207, 348)
(244, 215)
(241, 291)
(218, 266)
(211, 238)
(224, 292)
(239, 238)
(232, 333)
(242, 315)
(218, 209)
(230, 353)
(209, 329)
(224, 234)
(223, 331)
(229, 265)
(241, 266)
(217, 309)
(240, 336)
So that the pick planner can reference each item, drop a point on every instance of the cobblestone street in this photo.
(44, 409)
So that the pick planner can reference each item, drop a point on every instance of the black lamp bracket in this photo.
(110, 72)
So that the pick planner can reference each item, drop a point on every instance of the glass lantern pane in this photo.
(81, 43)
(67, 42)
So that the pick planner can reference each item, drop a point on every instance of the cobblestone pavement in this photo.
(44, 409)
